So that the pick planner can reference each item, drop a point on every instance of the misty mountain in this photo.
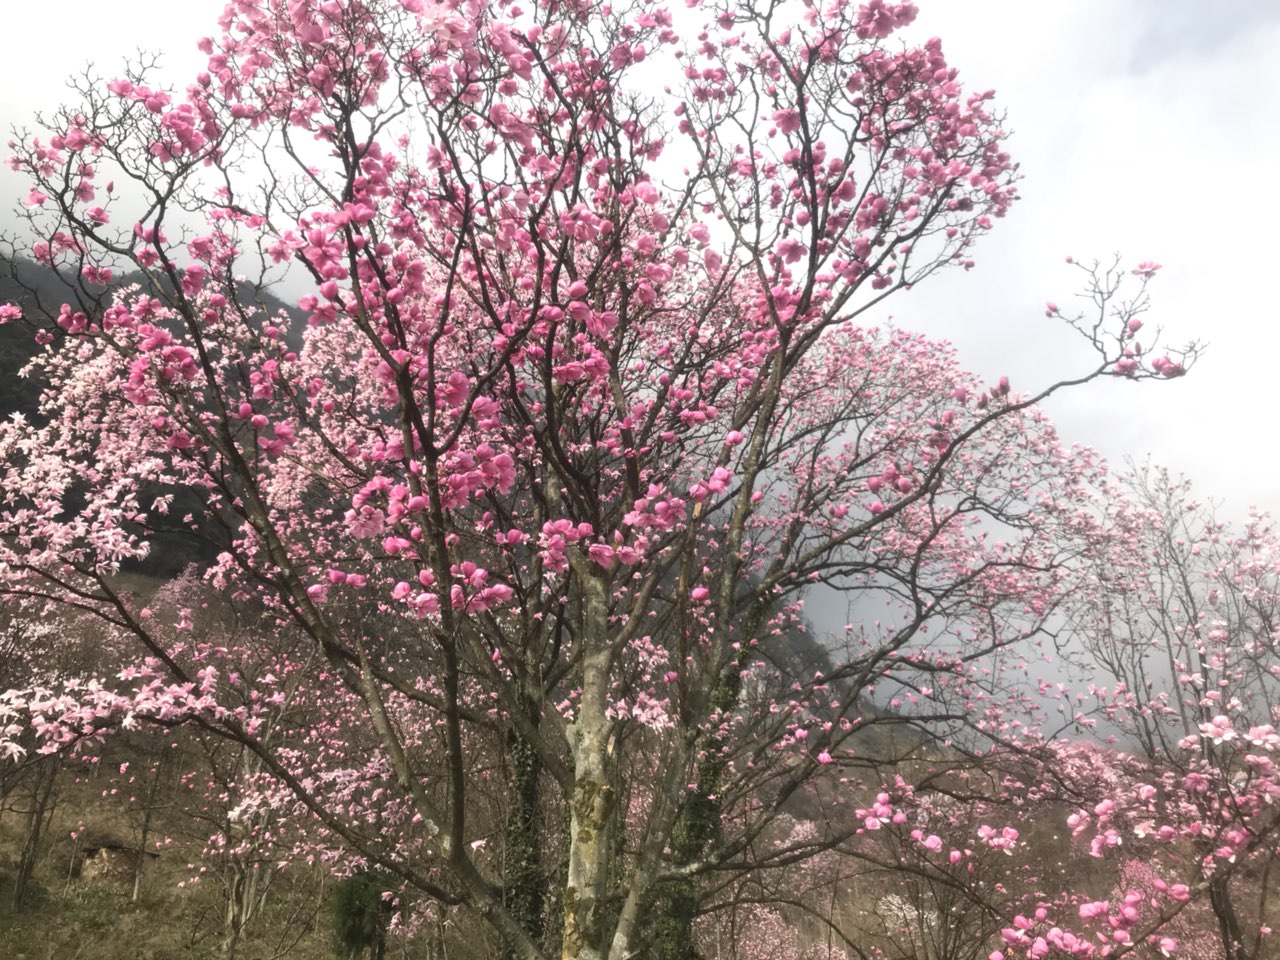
(40, 292)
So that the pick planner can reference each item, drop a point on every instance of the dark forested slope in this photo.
(39, 291)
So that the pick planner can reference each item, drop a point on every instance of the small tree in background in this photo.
(361, 915)
(1180, 619)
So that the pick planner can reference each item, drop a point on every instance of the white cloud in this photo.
(1160, 157)
(42, 44)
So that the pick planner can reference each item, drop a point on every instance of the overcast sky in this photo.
(1144, 127)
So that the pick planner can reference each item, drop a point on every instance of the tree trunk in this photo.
(141, 861)
(675, 903)
(41, 794)
(593, 794)
(523, 882)
(233, 919)
(1229, 929)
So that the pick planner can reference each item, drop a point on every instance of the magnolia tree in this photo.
(577, 405)
(1182, 620)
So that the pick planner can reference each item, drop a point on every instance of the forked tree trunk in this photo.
(41, 808)
(233, 920)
